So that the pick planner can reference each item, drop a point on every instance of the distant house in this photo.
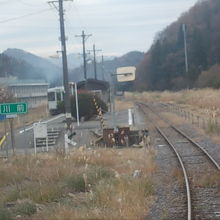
(99, 87)
(34, 92)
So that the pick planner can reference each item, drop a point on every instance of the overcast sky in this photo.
(117, 26)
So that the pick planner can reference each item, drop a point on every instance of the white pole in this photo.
(65, 142)
(77, 104)
(47, 144)
(35, 146)
(185, 48)
(130, 118)
(72, 92)
(113, 102)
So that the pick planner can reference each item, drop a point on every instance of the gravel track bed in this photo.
(212, 148)
(203, 203)
(205, 198)
(205, 142)
(170, 193)
(170, 200)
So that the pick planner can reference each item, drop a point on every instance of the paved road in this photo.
(24, 137)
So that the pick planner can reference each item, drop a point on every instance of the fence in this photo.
(209, 123)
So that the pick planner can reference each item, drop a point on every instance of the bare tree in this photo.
(5, 95)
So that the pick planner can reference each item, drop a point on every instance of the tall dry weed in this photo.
(200, 98)
(87, 184)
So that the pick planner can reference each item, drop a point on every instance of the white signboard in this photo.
(125, 74)
(40, 130)
(11, 116)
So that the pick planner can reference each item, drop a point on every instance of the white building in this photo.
(34, 92)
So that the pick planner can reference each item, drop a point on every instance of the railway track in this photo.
(202, 199)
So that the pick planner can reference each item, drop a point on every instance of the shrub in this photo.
(60, 107)
(76, 183)
(210, 78)
(213, 127)
(5, 214)
(86, 105)
(93, 175)
(26, 208)
(98, 173)
(43, 193)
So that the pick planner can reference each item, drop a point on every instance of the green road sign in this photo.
(13, 108)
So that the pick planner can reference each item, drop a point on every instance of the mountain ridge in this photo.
(32, 66)
(163, 67)
(47, 68)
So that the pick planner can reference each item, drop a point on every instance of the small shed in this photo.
(99, 87)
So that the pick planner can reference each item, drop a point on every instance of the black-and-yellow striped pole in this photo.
(99, 111)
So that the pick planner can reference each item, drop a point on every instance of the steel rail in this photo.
(189, 203)
(197, 145)
(186, 179)
(205, 152)
(210, 158)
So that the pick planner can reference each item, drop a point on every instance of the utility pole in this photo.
(64, 61)
(185, 48)
(84, 38)
(94, 60)
(94, 56)
(11, 121)
(103, 70)
(6, 149)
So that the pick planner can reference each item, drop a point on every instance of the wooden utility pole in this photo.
(94, 61)
(103, 70)
(84, 38)
(11, 121)
(64, 60)
(65, 67)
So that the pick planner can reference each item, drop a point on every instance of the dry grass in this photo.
(121, 104)
(206, 100)
(177, 173)
(82, 185)
(184, 96)
(203, 103)
(173, 118)
(207, 180)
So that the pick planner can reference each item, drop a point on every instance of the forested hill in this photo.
(40, 67)
(108, 67)
(11, 67)
(164, 64)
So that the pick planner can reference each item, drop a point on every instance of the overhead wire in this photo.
(3, 2)
(24, 16)
(28, 4)
(73, 28)
(79, 17)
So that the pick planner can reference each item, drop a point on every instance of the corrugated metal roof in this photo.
(17, 82)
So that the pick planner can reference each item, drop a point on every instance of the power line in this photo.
(79, 17)
(3, 2)
(28, 4)
(24, 16)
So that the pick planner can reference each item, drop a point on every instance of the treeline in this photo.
(109, 67)
(18, 68)
(164, 65)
